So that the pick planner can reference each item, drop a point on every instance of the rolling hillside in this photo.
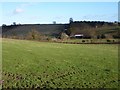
(22, 30)
(89, 29)
(94, 29)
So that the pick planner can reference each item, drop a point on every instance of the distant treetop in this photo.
(70, 20)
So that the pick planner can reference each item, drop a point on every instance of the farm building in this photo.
(77, 36)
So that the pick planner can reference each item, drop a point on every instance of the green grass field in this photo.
(32, 64)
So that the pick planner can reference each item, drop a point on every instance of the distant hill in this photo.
(88, 28)
(94, 28)
(22, 30)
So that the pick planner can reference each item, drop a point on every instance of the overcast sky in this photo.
(47, 12)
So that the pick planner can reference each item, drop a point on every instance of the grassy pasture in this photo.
(31, 64)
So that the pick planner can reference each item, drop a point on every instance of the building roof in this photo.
(78, 34)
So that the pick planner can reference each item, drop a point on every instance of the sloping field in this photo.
(31, 64)
(47, 29)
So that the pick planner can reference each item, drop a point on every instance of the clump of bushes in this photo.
(83, 41)
(35, 35)
(108, 40)
(112, 41)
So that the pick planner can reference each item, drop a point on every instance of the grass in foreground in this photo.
(29, 64)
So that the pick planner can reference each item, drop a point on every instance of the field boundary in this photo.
(64, 42)
(89, 43)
